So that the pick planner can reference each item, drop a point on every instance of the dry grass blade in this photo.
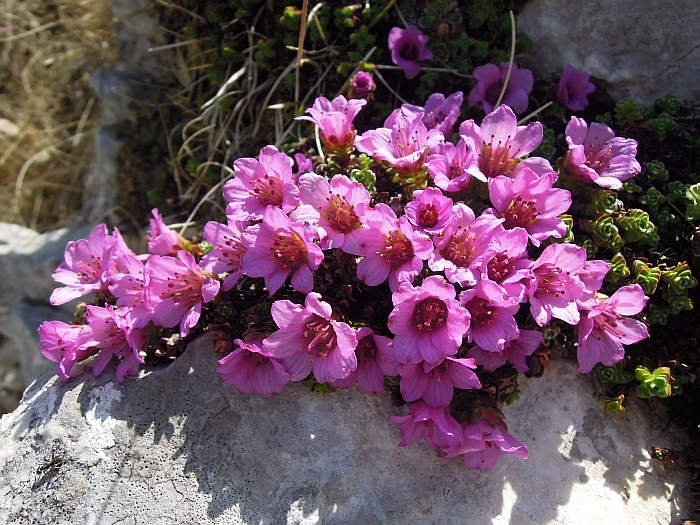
(233, 117)
(300, 47)
(47, 53)
(513, 39)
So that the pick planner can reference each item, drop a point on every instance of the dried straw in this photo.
(48, 115)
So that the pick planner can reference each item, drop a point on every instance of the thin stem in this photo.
(535, 113)
(318, 144)
(435, 69)
(512, 58)
(386, 85)
(300, 50)
(381, 14)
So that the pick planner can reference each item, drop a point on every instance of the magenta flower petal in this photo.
(483, 444)
(603, 329)
(439, 429)
(407, 48)
(174, 290)
(555, 286)
(429, 211)
(404, 143)
(228, 248)
(435, 384)
(465, 244)
(453, 166)
(490, 80)
(278, 247)
(161, 239)
(65, 344)
(334, 208)
(308, 340)
(596, 155)
(335, 122)
(500, 143)
(250, 369)
(258, 184)
(573, 89)
(88, 265)
(429, 318)
(492, 315)
(375, 359)
(530, 202)
(362, 84)
(391, 249)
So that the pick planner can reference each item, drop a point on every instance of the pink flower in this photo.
(259, 184)
(539, 165)
(439, 112)
(227, 250)
(407, 48)
(453, 166)
(597, 155)
(175, 288)
(489, 84)
(435, 384)
(375, 359)
(603, 329)
(510, 266)
(362, 85)
(555, 286)
(482, 445)
(530, 202)
(310, 339)
(249, 369)
(65, 344)
(592, 276)
(335, 123)
(513, 352)
(162, 240)
(331, 207)
(465, 244)
(500, 142)
(429, 211)
(574, 88)
(127, 287)
(109, 329)
(428, 322)
(390, 248)
(85, 266)
(435, 424)
(404, 145)
(492, 322)
(304, 165)
(279, 247)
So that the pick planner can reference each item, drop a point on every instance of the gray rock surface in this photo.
(178, 446)
(640, 48)
(122, 88)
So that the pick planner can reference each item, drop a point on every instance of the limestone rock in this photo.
(123, 89)
(178, 446)
(642, 49)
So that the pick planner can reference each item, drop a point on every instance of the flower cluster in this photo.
(464, 292)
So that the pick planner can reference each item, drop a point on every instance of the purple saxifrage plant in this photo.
(316, 277)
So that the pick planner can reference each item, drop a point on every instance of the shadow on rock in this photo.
(179, 446)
